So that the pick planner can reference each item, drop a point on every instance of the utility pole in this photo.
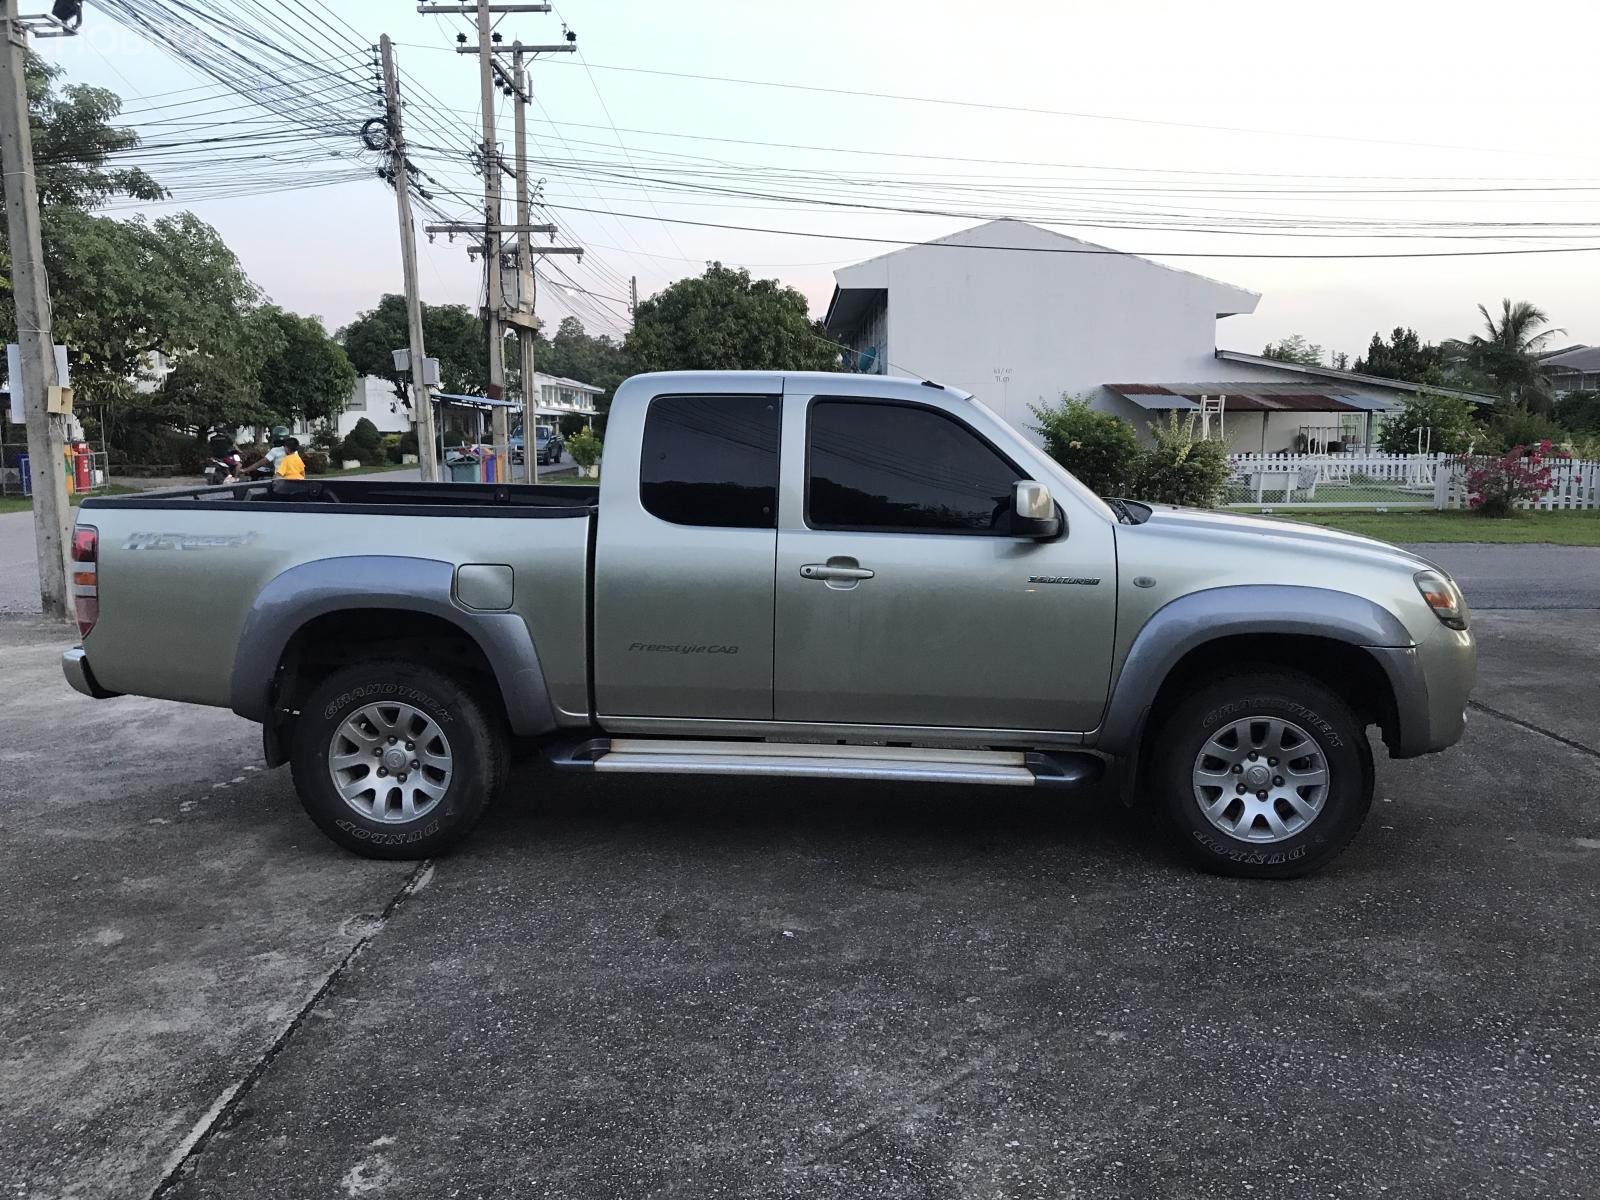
(527, 282)
(494, 287)
(31, 291)
(633, 295)
(421, 402)
(496, 311)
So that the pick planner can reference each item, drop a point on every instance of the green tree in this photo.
(1431, 422)
(308, 375)
(574, 353)
(1099, 448)
(450, 333)
(1507, 352)
(73, 136)
(123, 291)
(1294, 349)
(725, 321)
(1403, 356)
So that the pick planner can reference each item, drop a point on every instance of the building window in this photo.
(711, 460)
(902, 468)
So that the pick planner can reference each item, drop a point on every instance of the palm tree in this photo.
(1509, 352)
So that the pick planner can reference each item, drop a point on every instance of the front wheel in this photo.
(396, 761)
(1263, 776)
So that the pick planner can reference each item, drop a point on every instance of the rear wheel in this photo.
(1265, 776)
(397, 761)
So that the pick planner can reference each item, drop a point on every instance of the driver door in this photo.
(903, 599)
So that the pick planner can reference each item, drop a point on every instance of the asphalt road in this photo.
(731, 988)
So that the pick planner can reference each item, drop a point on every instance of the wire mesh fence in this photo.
(1340, 480)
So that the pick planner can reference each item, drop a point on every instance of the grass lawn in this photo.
(25, 503)
(1580, 527)
(378, 470)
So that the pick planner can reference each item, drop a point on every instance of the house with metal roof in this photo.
(1572, 369)
(1022, 316)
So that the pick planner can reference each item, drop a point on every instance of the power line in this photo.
(883, 241)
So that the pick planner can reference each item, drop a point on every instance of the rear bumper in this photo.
(75, 666)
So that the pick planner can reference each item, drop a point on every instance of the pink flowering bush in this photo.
(1496, 485)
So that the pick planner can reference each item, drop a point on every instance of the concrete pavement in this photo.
(19, 564)
(703, 988)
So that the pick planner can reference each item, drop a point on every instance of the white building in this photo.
(560, 397)
(1020, 316)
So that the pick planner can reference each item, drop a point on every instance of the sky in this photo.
(1228, 126)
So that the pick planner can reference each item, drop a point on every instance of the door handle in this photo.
(829, 571)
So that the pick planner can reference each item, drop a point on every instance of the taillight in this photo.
(86, 577)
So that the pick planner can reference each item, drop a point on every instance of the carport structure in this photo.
(1327, 415)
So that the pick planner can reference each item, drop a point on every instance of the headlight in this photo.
(1444, 597)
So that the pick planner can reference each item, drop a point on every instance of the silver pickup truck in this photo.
(828, 576)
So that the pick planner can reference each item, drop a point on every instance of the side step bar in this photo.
(905, 764)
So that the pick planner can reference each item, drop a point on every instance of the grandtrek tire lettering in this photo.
(1229, 823)
(393, 691)
(371, 820)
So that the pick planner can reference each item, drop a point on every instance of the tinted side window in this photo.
(711, 460)
(874, 466)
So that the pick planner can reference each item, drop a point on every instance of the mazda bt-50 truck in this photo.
(839, 577)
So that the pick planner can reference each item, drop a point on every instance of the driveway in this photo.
(729, 988)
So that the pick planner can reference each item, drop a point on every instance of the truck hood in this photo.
(1291, 536)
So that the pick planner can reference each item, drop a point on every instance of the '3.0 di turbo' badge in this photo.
(1085, 580)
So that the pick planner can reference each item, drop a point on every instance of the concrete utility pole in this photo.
(527, 282)
(496, 312)
(633, 295)
(494, 287)
(46, 430)
(421, 402)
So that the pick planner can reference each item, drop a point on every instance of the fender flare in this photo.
(1191, 621)
(421, 585)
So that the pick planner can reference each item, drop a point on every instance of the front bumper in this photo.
(75, 666)
(1432, 682)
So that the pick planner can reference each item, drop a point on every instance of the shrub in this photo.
(1181, 467)
(1513, 425)
(1579, 411)
(364, 444)
(1445, 423)
(408, 443)
(453, 438)
(585, 449)
(1099, 448)
(1496, 484)
(391, 447)
(325, 437)
(316, 461)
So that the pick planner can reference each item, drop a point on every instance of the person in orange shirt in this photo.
(291, 465)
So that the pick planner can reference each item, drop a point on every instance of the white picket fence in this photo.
(1360, 479)
(1573, 484)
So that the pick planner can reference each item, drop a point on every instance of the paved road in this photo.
(19, 567)
(727, 988)
(1521, 576)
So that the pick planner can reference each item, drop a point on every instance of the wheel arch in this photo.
(1350, 644)
(320, 615)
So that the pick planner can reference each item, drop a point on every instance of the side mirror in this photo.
(1033, 511)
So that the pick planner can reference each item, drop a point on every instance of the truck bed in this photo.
(373, 495)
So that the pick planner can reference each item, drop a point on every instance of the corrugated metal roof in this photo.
(1253, 396)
